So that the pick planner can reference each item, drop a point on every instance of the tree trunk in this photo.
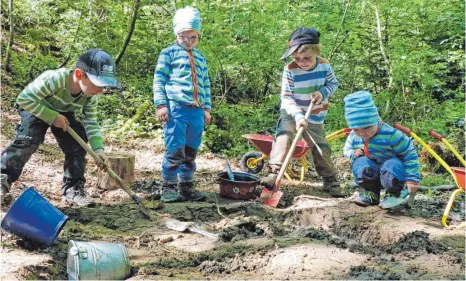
(123, 165)
(382, 49)
(10, 39)
(130, 32)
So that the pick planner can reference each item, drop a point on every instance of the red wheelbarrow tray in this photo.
(264, 144)
(460, 176)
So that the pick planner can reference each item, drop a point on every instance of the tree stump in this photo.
(123, 165)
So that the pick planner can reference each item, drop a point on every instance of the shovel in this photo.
(230, 172)
(272, 197)
(391, 202)
(110, 172)
(182, 226)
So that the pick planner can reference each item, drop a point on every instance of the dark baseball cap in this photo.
(99, 67)
(301, 36)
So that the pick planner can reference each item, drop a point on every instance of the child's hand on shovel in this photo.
(104, 163)
(412, 188)
(317, 97)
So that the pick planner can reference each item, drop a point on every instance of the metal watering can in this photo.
(97, 261)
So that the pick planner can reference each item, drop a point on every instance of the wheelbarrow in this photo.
(253, 161)
(458, 173)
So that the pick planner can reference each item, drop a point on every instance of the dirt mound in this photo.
(430, 207)
(417, 241)
(240, 232)
(362, 272)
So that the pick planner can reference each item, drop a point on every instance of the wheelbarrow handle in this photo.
(110, 172)
(436, 135)
(402, 128)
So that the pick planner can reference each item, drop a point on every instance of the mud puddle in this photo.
(321, 238)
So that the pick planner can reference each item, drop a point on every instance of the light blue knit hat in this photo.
(187, 18)
(360, 110)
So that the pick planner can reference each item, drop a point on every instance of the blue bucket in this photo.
(32, 217)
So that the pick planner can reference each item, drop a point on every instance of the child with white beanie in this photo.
(381, 155)
(181, 91)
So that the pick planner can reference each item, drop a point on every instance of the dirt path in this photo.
(309, 237)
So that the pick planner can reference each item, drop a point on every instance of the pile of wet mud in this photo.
(427, 207)
(362, 272)
(417, 241)
(240, 231)
(151, 188)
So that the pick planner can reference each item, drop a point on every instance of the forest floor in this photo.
(307, 237)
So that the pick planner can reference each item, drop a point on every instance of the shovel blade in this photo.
(271, 198)
(393, 202)
(178, 225)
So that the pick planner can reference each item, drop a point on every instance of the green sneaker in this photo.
(170, 193)
(367, 198)
(189, 193)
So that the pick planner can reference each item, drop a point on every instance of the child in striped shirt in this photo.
(381, 155)
(56, 99)
(182, 96)
(308, 77)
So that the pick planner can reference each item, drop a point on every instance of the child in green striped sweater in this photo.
(53, 100)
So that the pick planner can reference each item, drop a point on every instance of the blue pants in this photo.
(372, 176)
(183, 135)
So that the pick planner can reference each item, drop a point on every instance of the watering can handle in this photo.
(402, 128)
(436, 135)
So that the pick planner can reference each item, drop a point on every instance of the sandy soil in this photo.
(308, 237)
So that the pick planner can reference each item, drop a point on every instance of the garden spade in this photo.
(110, 172)
(391, 202)
(182, 226)
(272, 197)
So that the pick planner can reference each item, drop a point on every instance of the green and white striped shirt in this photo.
(49, 94)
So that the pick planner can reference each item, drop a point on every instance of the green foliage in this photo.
(224, 137)
(243, 41)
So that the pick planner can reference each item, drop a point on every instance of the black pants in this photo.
(31, 133)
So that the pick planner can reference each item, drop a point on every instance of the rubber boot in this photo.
(333, 187)
(189, 193)
(170, 193)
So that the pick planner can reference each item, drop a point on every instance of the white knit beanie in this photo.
(187, 18)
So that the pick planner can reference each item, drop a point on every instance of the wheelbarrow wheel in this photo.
(249, 165)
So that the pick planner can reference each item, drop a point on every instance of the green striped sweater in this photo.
(49, 94)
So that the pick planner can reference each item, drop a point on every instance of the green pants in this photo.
(286, 130)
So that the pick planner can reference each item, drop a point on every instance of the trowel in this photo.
(391, 202)
(182, 226)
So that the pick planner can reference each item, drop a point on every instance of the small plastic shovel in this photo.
(391, 202)
(182, 226)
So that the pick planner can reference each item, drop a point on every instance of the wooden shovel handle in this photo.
(290, 152)
(97, 158)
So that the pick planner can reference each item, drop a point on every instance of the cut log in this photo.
(123, 165)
